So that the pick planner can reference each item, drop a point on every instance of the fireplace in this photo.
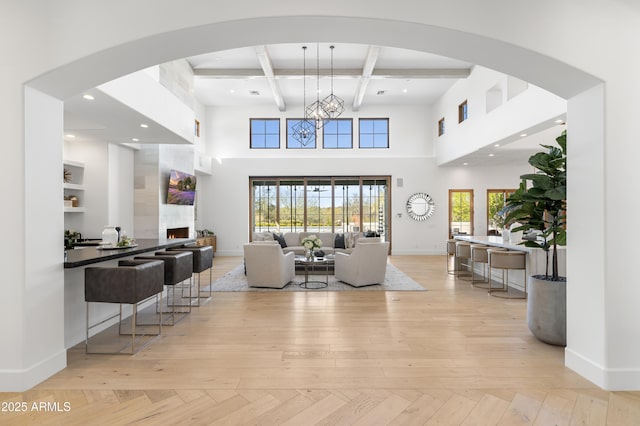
(178, 232)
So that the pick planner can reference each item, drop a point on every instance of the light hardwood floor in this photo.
(450, 355)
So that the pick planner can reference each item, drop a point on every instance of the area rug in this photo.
(395, 280)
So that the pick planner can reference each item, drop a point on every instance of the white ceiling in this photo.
(409, 86)
(390, 76)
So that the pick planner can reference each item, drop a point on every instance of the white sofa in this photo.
(292, 241)
(366, 265)
(267, 266)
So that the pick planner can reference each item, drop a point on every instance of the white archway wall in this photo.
(575, 33)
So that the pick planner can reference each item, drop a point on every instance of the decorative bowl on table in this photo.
(318, 253)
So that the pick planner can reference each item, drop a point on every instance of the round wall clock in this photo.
(420, 206)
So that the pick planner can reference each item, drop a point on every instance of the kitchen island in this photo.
(536, 258)
(94, 254)
(75, 263)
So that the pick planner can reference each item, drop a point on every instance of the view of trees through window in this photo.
(460, 211)
(496, 199)
(320, 204)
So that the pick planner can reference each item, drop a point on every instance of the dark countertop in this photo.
(89, 255)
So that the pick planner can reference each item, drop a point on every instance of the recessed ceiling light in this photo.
(559, 121)
(88, 97)
(69, 135)
(497, 145)
(144, 126)
(522, 135)
(135, 139)
(491, 155)
(232, 91)
(465, 164)
(404, 90)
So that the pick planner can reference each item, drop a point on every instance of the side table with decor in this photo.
(207, 240)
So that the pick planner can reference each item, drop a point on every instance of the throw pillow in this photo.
(280, 239)
(349, 239)
(339, 241)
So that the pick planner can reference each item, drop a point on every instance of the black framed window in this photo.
(374, 132)
(308, 140)
(441, 127)
(338, 134)
(265, 133)
(463, 112)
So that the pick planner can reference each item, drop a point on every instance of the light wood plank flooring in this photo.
(450, 355)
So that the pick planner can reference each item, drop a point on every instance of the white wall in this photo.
(120, 177)
(224, 197)
(142, 93)
(228, 133)
(520, 109)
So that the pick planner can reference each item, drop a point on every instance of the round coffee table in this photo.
(312, 265)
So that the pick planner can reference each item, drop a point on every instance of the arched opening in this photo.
(106, 65)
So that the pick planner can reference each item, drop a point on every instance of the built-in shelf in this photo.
(73, 163)
(74, 186)
(74, 209)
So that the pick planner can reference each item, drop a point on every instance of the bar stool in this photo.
(507, 260)
(202, 260)
(479, 255)
(131, 282)
(451, 251)
(178, 267)
(463, 251)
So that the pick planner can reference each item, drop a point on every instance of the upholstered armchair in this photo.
(267, 266)
(366, 265)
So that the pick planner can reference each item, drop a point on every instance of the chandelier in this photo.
(319, 112)
(333, 105)
(304, 129)
(316, 111)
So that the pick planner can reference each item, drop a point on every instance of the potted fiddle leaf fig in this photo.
(539, 205)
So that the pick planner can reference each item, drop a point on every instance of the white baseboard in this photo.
(418, 252)
(611, 379)
(24, 379)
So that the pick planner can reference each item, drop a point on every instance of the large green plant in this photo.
(539, 203)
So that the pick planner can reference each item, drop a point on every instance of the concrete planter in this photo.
(547, 309)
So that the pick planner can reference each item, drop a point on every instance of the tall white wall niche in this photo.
(494, 98)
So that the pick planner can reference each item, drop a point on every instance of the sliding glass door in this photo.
(321, 204)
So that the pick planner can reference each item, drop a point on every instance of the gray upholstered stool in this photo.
(507, 260)
(202, 260)
(463, 253)
(480, 255)
(178, 267)
(131, 282)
